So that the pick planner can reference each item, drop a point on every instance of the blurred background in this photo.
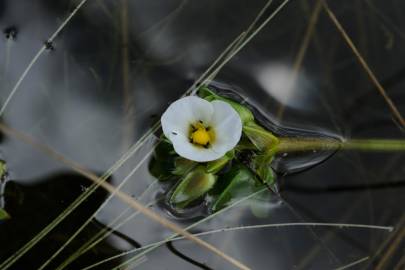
(116, 65)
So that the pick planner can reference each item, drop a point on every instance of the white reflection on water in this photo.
(293, 90)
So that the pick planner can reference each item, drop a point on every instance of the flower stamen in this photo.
(201, 135)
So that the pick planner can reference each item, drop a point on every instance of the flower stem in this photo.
(309, 144)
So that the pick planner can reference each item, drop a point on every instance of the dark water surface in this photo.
(106, 78)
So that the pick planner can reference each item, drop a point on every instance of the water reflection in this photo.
(288, 87)
(32, 207)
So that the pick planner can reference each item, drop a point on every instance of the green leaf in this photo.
(260, 137)
(233, 185)
(195, 185)
(245, 114)
(4, 215)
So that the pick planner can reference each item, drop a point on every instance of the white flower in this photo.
(201, 130)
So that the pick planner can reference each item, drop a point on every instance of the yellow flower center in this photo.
(201, 135)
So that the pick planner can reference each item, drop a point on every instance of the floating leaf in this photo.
(4, 215)
(196, 184)
(233, 185)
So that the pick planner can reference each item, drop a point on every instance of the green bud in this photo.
(196, 184)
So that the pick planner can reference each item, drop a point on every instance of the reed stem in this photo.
(314, 144)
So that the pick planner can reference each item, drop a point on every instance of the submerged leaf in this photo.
(267, 175)
(261, 166)
(196, 184)
(233, 185)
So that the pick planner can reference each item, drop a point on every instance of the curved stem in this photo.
(311, 144)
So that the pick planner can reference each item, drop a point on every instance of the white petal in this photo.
(184, 148)
(183, 112)
(227, 126)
